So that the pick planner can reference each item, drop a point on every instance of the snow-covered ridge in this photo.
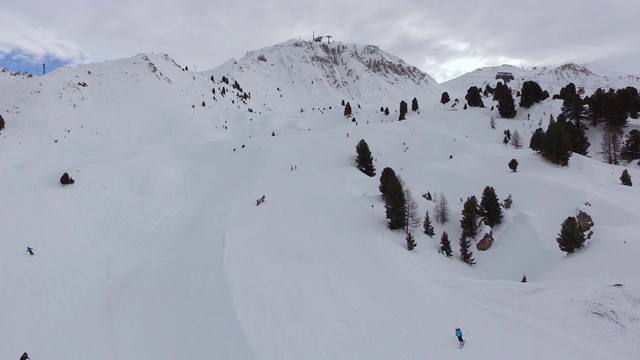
(112, 103)
(6, 74)
(587, 77)
(341, 54)
(303, 71)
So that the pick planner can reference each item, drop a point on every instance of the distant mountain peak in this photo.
(329, 70)
(575, 69)
(323, 54)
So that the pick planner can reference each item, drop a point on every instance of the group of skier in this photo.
(260, 200)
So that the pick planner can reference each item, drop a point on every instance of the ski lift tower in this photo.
(328, 38)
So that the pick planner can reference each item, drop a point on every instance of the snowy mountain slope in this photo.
(299, 74)
(158, 251)
(85, 105)
(588, 77)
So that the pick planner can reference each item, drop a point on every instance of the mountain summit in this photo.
(304, 71)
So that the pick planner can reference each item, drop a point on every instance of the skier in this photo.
(459, 335)
(24, 356)
(30, 251)
(262, 199)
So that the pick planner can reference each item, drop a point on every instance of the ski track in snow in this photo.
(150, 234)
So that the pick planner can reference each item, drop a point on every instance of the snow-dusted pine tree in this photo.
(445, 244)
(427, 226)
(465, 251)
(411, 242)
(570, 237)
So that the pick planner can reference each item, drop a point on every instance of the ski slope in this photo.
(158, 251)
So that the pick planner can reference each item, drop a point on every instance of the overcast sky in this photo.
(444, 38)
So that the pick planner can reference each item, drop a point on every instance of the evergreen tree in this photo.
(630, 148)
(1, 123)
(625, 178)
(411, 242)
(364, 160)
(488, 89)
(570, 237)
(490, 209)
(381, 109)
(577, 137)
(505, 140)
(386, 111)
(531, 94)
(445, 244)
(607, 107)
(499, 91)
(403, 110)
(414, 104)
(566, 91)
(513, 165)
(473, 97)
(394, 202)
(445, 98)
(573, 110)
(465, 251)
(470, 215)
(347, 110)
(524, 278)
(556, 146)
(427, 226)
(342, 102)
(385, 179)
(630, 100)
(66, 179)
(506, 105)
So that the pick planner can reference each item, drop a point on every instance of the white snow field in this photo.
(158, 251)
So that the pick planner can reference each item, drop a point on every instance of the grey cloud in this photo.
(433, 35)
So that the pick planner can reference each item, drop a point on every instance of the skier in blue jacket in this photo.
(459, 335)
(30, 251)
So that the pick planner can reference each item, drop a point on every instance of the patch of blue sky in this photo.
(21, 62)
